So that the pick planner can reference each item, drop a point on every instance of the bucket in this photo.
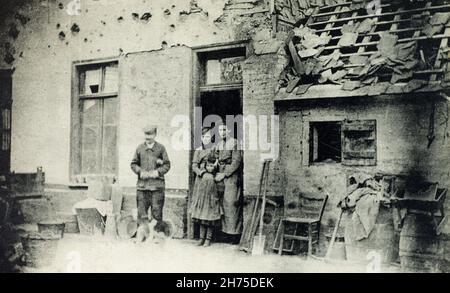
(381, 241)
(52, 227)
(40, 248)
(70, 222)
(127, 227)
(90, 222)
(420, 249)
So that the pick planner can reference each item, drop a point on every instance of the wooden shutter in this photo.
(5, 121)
(359, 147)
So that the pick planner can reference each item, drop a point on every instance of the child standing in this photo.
(206, 209)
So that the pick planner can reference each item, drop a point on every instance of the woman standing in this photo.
(205, 206)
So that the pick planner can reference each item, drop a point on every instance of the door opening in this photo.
(217, 89)
(224, 103)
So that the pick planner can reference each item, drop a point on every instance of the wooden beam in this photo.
(221, 87)
(332, 91)
(383, 14)
(372, 34)
(336, 5)
(341, 12)
(378, 23)
(405, 40)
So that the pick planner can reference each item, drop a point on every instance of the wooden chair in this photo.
(306, 224)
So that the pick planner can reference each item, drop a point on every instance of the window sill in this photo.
(324, 163)
(98, 95)
(78, 185)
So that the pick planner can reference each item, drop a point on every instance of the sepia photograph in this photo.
(225, 137)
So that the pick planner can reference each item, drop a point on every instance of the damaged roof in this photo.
(399, 47)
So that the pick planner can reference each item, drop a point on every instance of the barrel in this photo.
(40, 248)
(381, 241)
(421, 250)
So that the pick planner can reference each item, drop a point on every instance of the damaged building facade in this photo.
(356, 93)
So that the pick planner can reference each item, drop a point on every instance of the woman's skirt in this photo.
(206, 207)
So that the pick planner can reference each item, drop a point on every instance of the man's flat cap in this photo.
(150, 129)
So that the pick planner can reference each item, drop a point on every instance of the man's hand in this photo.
(144, 175)
(219, 177)
(153, 174)
(149, 174)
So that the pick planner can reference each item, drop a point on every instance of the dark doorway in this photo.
(223, 103)
(5, 121)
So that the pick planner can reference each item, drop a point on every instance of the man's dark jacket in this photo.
(145, 159)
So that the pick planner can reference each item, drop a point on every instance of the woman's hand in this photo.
(219, 177)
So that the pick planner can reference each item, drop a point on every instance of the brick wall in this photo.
(260, 74)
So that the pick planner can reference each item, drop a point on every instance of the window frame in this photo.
(77, 98)
(306, 141)
(313, 143)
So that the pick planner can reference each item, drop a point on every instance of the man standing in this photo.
(230, 158)
(150, 163)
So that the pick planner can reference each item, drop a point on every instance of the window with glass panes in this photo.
(97, 123)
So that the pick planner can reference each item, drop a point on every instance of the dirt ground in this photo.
(78, 253)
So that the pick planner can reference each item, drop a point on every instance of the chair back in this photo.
(312, 206)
